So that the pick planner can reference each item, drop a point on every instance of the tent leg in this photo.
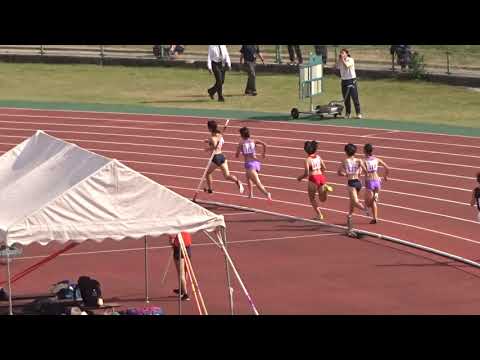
(179, 273)
(10, 306)
(147, 300)
(227, 267)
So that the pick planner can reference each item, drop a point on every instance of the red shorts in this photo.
(318, 180)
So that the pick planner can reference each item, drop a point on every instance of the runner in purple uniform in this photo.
(252, 166)
(373, 182)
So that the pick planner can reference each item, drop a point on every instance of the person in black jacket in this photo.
(249, 56)
(321, 50)
(295, 50)
(403, 54)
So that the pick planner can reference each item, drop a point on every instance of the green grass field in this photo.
(415, 101)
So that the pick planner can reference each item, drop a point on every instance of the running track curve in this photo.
(426, 201)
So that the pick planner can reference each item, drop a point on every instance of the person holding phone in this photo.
(346, 65)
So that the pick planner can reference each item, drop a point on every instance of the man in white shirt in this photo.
(346, 65)
(217, 62)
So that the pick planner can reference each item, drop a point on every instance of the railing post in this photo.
(278, 54)
(41, 50)
(102, 54)
(448, 63)
(393, 62)
(162, 54)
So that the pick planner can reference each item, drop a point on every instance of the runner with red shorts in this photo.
(317, 182)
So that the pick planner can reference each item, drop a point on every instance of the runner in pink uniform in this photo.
(317, 182)
(372, 180)
(252, 166)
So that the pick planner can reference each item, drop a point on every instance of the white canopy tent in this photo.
(51, 190)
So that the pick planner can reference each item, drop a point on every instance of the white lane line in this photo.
(200, 117)
(344, 213)
(305, 194)
(375, 136)
(275, 166)
(96, 252)
(272, 146)
(262, 136)
(270, 165)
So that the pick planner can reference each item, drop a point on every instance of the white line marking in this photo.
(305, 193)
(274, 146)
(344, 212)
(199, 117)
(262, 136)
(169, 247)
(374, 135)
(198, 124)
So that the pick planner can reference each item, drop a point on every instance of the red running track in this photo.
(426, 200)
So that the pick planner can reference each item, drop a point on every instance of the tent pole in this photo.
(230, 289)
(146, 271)
(180, 265)
(10, 306)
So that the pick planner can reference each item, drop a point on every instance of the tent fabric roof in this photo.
(51, 190)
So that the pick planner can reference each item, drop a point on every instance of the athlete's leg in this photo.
(228, 176)
(312, 194)
(250, 185)
(254, 176)
(354, 199)
(209, 176)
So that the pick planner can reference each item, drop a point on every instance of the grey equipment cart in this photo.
(310, 83)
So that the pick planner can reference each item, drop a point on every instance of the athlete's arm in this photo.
(239, 148)
(341, 170)
(387, 170)
(306, 173)
(258, 142)
(362, 167)
(211, 145)
(322, 166)
(472, 202)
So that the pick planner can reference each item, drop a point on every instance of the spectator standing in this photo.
(249, 56)
(404, 55)
(346, 65)
(295, 50)
(217, 62)
(321, 50)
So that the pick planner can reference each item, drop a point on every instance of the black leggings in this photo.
(349, 90)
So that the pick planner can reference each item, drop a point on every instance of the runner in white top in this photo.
(215, 144)
(252, 166)
(352, 168)
(372, 180)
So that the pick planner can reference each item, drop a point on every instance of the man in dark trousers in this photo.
(249, 56)
(291, 54)
(217, 62)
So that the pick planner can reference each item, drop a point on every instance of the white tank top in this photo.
(220, 143)
(315, 163)
(371, 164)
(351, 167)
(248, 148)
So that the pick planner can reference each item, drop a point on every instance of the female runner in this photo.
(215, 144)
(252, 166)
(372, 180)
(317, 182)
(352, 168)
(476, 197)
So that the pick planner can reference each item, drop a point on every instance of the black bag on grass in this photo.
(90, 290)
